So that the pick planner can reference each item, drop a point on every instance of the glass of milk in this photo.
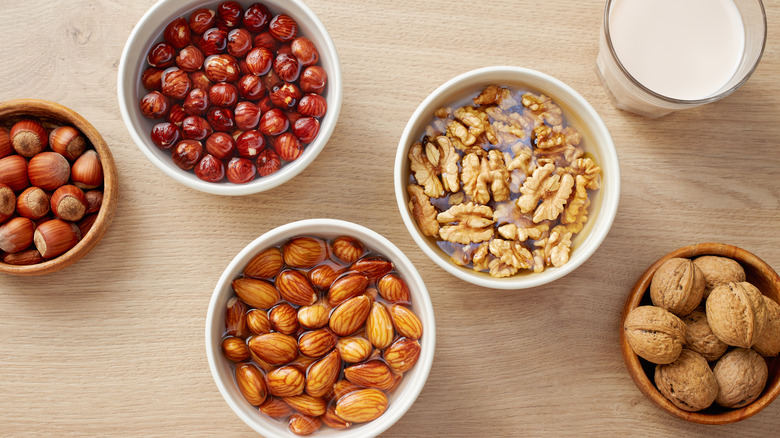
(659, 56)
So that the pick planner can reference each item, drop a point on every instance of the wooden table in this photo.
(114, 345)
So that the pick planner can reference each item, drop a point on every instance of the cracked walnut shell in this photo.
(699, 336)
(687, 382)
(737, 313)
(654, 334)
(768, 344)
(741, 374)
(677, 286)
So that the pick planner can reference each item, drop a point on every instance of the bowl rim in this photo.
(53, 110)
(608, 156)
(138, 37)
(370, 238)
(634, 366)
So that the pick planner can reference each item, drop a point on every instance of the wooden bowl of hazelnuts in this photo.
(700, 333)
(58, 187)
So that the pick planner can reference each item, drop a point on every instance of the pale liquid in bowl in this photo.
(683, 49)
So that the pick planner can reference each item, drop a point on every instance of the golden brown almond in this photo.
(285, 381)
(274, 348)
(372, 267)
(256, 293)
(275, 408)
(330, 419)
(235, 318)
(406, 323)
(306, 404)
(251, 384)
(322, 276)
(361, 406)
(304, 252)
(346, 287)
(302, 362)
(295, 288)
(379, 326)
(348, 249)
(402, 355)
(284, 319)
(257, 322)
(354, 349)
(317, 343)
(398, 378)
(344, 387)
(371, 293)
(314, 316)
(322, 374)
(350, 315)
(371, 374)
(303, 424)
(26, 257)
(235, 349)
(394, 289)
(265, 366)
(265, 265)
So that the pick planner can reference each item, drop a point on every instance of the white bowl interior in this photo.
(580, 114)
(148, 31)
(413, 381)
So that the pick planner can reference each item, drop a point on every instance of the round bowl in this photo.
(760, 275)
(55, 113)
(604, 202)
(149, 30)
(400, 400)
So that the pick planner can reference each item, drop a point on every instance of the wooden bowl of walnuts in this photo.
(700, 333)
(58, 187)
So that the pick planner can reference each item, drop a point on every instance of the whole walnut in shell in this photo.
(737, 313)
(687, 382)
(654, 334)
(768, 344)
(699, 336)
(677, 286)
(741, 374)
(718, 270)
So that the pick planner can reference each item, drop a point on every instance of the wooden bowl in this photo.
(55, 113)
(760, 275)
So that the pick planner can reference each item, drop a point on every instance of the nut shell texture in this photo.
(677, 286)
(655, 334)
(768, 343)
(687, 382)
(741, 375)
(699, 336)
(737, 313)
(718, 270)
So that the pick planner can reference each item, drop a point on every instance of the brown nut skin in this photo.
(699, 336)
(718, 270)
(687, 382)
(655, 334)
(677, 286)
(768, 343)
(741, 375)
(737, 313)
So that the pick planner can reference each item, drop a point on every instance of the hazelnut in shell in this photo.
(68, 142)
(55, 237)
(28, 137)
(718, 270)
(13, 172)
(741, 375)
(655, 334)
(32, 203)
(5, 143)
(69, 203)
(677, 286)
(768, 344)
(687, 382)
(737, 313)
(699, 336)
(87, 172)
(16, 234)
(48, 170)
(94, 200)
(7, 203)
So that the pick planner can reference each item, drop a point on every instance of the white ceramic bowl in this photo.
(148, 31)
(400, 400)
(598, 142)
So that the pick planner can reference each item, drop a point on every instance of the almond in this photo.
(284, 319)
(350, 315)
(379, 326)
(354, 349)
(250, 382)
(406, 322)
(235, 349)
(265, 366)
(330, 419)
(371, 293)
(235, 317)
(304, 252)
(266, 264)
(394, 289)
(285, 381)
(372, 374)
(256, 293)
(303, 362)
(344, 387)
(323, 374)
(314, 316)
(257, 322)
(274, 348)
(275, 408)
(322, 276)
(306, 404)
(317, 343)
(373, 267)
(295, 288)
(402, 355)
(361, 406)
(303, 424)
(348, 249)
(346, 287)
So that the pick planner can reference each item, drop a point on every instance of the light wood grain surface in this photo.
(114, 345)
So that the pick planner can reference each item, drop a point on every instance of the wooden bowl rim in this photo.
(38, 107)
(632, 361)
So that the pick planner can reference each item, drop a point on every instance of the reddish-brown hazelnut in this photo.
(229, 14)
(190, 59)
(69, 203)
(285, 96)
(32, 203)
(256, 18)
(200, 81)
(165, 135)
(288, 146)
(67, 141)
(177, 33)
(283, 27)
(86, 224)
(210, 169)
(265, 104)
(273, 122)
(161, 55)
(187, 153)
(250, 87)
(292, 116)
(7, 203)
(268, 162)
(151, 78)
(16, 234)
(202, 20)
(250, 143)
(313, 79)
(265, 39)
(221, 145)
(306, 129)
(247, 115)
(239, 42)
(240, 170)
(223, 94)
(287, 67)
(285, 48)
(49, 170)
(221, 68)
(196, 103)
(5, 142)
(259, 61)
(195, 128)
(94, 200)
(28, 137)
(87, 172)
(175, 83)
(213, 42)
(221, 119)
(312, 105)
(176, 115)
(13, 172)
(305, 51)
(154, 105)
(55, 237)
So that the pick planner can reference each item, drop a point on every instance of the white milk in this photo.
(683, 49)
